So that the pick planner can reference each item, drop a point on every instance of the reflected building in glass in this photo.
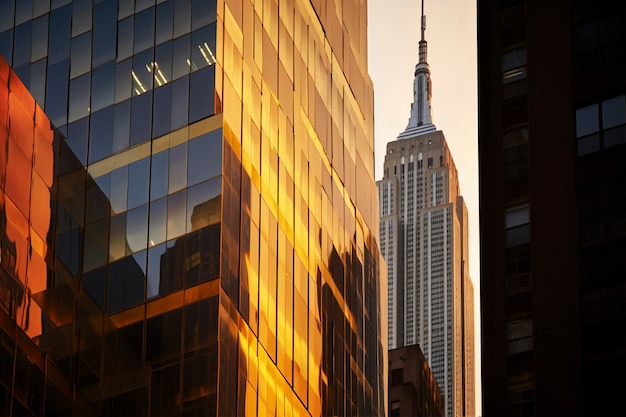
(424, 239)
(189, 218)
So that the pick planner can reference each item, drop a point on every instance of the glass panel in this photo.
(142, 76)
(613, 112)
(144, 30)
(166, 391)
(125, 39)
(204, 204)
(176, 210)
(514, 65)
(38, 81)
(79, 97)
(202, 13)
(516, 216)
(164, 22)
(23, 11)
(77, 134)
(587, 120)
(121, 126)
(40, 39)
(202, 93)
(103, 87)
(137, 228)
(181, 57)
(123, 81)
(205, 157)
(126, 8)
(23, 42)
(615, 136)
(588, 144)
(158, 222)
(101, 134)
(159, 176)
(7, 10)
(203, 47)
(117, 242)
(126, 284)
(138, 181)
(104, 32)
(81, 55)
(81, 17)
(141, 118)
(182, 17)
(156, 265)
(163, 64)
(517, 236)
(94, 283)
(180, 103)
(6, 44)
(59, 35)
(162, 106)
(119, 189)
(178, 168)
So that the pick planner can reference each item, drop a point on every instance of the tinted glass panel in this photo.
(81, 17)
(144, 30)
(101, 136)
(125, 39)
(159, 176)
(182, 17)
(56, 92)
(119, 189)
(59, 35)
(587, 120)
(79, 97)
(141, 118)
(162, 106)
(23, 41)
(77, 134)
(7, 10)
(178, 168)
(103, 87)
(40, 38)
(202, 93)
(137, 228)
(202, 13)
(81, 55)
(6, 45)
(180, 103)
(613, 112)
(205, 157)
(164, 22)
(123, 81)
(104, 31)
(121, 126)
(158, 222)
(138, 180)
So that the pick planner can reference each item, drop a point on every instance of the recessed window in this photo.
(515, 146)
(514, 65)
(517, 225)
(601, 125)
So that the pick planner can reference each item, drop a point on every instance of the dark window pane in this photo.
(142, 75)
(23, 11)
(117, 242)
(126, 8)
(58, 3)
(123, 81)
(615, 136)
(104, 32)
(205, 157)
(57, 91)
(40, 7)
(137, 227)
(157, 232)
(79, 97)
(176, 213)
(103, 87)
(126, 284)
(23, 41)
(588, 144)
(182, 17)
(141, 118)
(81, 55)
(158, 179)
(143, 4)
(7, 10)
(178, 168)
(202, 93)
(81, 17)
(163, 64)
(59, 35)
(587, 120)
(517, 236)
(163, 338)
(203, 47)
(125, 39)
(144, 30)
(6, 45)
(96, 245)
(37, 85)
(180, 103)
(121, 126)
(40, 38)
(156, 264)
(101, 134)
(181, 58)
(94, 283)
(138, 180)
(119, 189)
(204, 204)
(77, 134)
(165, 391)
(164, 22)
(162, 106)
(613, 112)
(202, 13)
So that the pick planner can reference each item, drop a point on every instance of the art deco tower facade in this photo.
(423, 231)
(189, 217)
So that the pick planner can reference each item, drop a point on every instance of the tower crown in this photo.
(420, 120)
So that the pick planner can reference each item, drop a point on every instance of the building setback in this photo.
(424, 239)
(552, 136)
(413, 390)
(189, 217)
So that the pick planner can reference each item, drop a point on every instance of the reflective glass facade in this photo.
(198, 234)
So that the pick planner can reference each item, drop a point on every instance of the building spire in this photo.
(420, 121)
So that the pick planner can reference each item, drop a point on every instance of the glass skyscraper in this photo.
(189, 217)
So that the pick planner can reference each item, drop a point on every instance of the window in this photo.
(601, 125)
(514, 65)
(430, 162)
(600, 42)
(517, 225)
(519, 336)
(515, 145)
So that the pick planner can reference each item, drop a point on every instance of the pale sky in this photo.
(394, 33)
